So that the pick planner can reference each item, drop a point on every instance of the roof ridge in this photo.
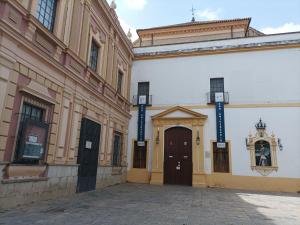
(195, 23)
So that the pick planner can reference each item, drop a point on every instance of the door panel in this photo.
(88, 155)
(178, 156)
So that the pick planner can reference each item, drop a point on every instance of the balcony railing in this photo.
(211, 97)
(135, 100)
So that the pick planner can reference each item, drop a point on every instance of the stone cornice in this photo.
(116, 24)
(194, 27)
(12, 33)
(219, 50)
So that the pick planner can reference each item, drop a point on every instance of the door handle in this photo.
(178, 166)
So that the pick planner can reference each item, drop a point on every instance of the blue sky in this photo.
(269, 16)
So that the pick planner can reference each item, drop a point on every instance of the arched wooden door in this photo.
(178, 166)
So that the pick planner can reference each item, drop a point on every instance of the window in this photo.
(117, 149)
(140, 155)
(94, 56)
(46, 11)
(220, 159)
(32, 135)
(120, 81)
(216, 85)
(143, 89)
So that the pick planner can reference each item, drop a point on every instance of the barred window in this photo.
(140, 155)
(46, 11)
(117, 149)
(120, 81)
(216, 85)
(32, 135)
(94, 56)
(221, 159)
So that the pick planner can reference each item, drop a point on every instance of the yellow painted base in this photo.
(199, 180)
(221, 180)
(138, 176)
(253, 183)
(157, 178)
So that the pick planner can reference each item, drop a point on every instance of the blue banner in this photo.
(141, 123)
(220, 122)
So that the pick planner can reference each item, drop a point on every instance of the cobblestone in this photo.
(136, 204)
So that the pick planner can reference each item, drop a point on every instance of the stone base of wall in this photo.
(108, 176)
(59, 181)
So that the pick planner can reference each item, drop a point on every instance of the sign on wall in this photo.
(220, 120)
(141, 120)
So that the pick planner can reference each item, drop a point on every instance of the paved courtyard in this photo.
(135, 204)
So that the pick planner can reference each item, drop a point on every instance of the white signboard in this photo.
(141, 143)
(142, 100)
(88, 145)
(32, 139)
(219, 97)
(221, 145)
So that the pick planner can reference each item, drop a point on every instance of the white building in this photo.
(184, 66)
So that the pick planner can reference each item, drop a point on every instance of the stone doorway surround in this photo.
(178, 117)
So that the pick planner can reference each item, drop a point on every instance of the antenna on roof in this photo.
(193, 14)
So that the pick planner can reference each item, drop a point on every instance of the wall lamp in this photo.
(246, 141)
(157, 137)
(280, 146)
(198, 138)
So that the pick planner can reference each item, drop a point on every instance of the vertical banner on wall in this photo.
(220, 120)
(141, 120)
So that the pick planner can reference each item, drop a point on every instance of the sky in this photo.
(268, 16)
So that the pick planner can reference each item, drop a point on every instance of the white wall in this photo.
(250, 77)
(239, 122)
(257, 77)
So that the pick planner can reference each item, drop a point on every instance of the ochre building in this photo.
(64, 98)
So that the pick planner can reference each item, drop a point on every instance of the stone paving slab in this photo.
(136, 204)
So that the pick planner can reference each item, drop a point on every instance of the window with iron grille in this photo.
(46, 11)
(94, 55)
(216, 85)
(32, 135)
(140, 156)
(117, 149)
(120, 81)
(143, 89)
(221, 159)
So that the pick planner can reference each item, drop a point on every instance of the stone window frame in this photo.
(147, 141)
(99, 40)
(34, 101)
(262, 135)
(120, 153)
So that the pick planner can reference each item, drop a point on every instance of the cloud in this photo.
(135, 4)
(126, 27)
(209, 14)
(287, 27)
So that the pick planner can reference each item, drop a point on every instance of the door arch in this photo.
(178, 166)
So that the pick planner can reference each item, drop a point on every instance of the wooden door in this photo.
(178, 156)
(88, 155)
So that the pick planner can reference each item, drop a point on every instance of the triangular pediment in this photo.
(178, 112)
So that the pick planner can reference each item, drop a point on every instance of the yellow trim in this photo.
(195, 122)
(215, 52)
(212, 157)
(141, 176)
(262, 105)
(178, 108)
(277, 184)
